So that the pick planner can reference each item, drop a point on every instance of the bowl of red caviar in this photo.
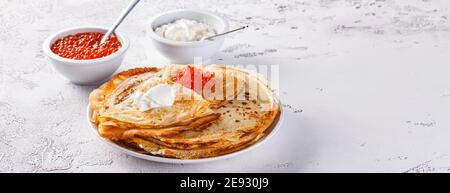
(77, 54)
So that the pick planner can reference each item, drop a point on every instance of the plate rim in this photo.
(186, 161)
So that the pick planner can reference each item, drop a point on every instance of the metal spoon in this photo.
(221, 34)
(119, 20)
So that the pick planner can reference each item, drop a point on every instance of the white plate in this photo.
(185, 161)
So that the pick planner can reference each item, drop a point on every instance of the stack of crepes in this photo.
(217, 110)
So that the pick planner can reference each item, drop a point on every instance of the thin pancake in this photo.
(237, 111)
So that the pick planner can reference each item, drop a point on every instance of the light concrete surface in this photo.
(365, 84)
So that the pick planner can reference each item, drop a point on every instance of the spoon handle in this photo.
(227, 32)
(119, 20)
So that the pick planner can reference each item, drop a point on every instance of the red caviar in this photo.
(190, 76)
(85, 46)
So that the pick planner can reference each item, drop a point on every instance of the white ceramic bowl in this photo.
(185, 52)
(94, 130)
(85, 72)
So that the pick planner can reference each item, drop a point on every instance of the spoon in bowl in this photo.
(221, 34)
(119, 20)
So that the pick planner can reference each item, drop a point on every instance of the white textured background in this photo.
(366, 84)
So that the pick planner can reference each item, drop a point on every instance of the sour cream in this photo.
(185, 30)
(161, 95)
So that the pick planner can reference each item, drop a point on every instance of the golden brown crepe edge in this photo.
(97, 96)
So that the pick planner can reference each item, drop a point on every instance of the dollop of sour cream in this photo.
(161, 95)
(185, 30)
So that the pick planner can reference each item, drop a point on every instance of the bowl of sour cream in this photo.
(178, 35)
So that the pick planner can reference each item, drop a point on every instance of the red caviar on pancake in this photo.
(192, 77)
